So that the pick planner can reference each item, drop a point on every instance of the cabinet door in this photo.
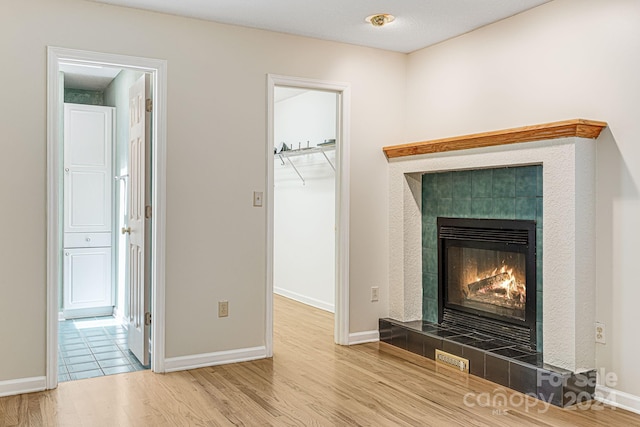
(87, 278)
(88, 176)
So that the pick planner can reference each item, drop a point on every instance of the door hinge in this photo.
(147, 318)
(147, 212)
(149, 105)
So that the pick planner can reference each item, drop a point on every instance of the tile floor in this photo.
(93, 347)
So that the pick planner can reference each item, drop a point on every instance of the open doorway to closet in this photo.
(307, 198)
(105, 179)
(305, 129)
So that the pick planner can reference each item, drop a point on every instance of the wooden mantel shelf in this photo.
(568, 128)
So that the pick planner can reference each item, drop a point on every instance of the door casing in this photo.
(158, 69)
(343, 92)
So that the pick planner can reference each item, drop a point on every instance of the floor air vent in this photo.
(452, 360)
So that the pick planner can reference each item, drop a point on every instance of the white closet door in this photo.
(87, 278)
(88, 132)
(138, 194)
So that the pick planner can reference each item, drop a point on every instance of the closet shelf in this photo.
(303, 151)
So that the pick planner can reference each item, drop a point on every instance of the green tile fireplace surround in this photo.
(499, 193)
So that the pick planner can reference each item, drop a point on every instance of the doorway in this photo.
(304, 196)
(335, 152)
(103, 331)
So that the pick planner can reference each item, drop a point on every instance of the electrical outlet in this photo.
(375, 291)
(600, 333)
(223, 308)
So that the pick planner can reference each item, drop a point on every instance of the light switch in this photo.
(257, 199)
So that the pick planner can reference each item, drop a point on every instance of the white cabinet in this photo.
(88, 175)
(87, 201)
(87, 281)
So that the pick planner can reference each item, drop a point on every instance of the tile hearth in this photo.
(493, 358)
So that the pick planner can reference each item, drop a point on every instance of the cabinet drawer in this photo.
(87, 240)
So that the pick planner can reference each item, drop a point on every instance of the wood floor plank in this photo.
(310, 381)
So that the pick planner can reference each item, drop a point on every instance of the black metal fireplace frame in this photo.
(505, 235)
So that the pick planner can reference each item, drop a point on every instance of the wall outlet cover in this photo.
(223, 308)
(600, 333)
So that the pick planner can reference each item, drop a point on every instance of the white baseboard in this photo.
(364, 337)
(183, 363)
(76, 313)
(22, 385)
(618, 399)
(322, 305)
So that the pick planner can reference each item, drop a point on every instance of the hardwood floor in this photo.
(309, 382)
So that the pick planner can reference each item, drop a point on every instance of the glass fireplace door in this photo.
(487, 275)
(487, 280)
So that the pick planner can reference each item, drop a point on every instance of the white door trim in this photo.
(343, 90)
(158, 68)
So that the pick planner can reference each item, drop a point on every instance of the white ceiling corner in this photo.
(87, 77)
(418, 24)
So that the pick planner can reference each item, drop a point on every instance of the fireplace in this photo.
(487, 276)
(553, 186)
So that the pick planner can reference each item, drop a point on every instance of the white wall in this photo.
(309, 116)
(304, 215)
(216, 239)
(565, 59)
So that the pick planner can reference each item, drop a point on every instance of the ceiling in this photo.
(283, 93)
(418, 24)
(88, 77)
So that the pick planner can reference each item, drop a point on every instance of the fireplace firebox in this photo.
(487, 276)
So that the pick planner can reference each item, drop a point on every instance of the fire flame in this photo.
(509, 288)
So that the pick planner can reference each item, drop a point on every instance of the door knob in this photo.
(126, 230)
